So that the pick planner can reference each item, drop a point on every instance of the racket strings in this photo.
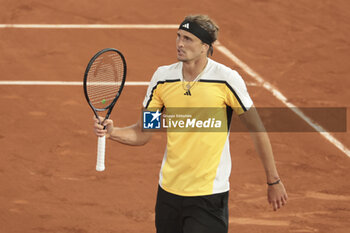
(104, 79)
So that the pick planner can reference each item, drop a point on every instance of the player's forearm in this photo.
(262, 142)
(131, 135)
(264, 149)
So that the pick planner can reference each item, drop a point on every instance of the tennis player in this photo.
(194, 177)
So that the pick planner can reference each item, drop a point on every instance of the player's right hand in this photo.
(99, 129)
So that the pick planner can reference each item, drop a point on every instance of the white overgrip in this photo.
(101, 145)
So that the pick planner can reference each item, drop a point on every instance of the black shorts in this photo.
(200, 214)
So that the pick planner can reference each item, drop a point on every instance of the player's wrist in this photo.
(272, 179)
(274, 183)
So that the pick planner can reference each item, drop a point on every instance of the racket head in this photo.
(104, 79)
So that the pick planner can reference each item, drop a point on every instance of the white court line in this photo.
(269, 87)
(91, 26)
(59, 83)
(71, 83)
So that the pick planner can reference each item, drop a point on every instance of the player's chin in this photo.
(181, 58)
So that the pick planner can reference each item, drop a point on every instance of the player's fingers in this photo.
(279, 204)
(108, 122)
(97, 119)
(101, 119)
(100, 132)
(98, 126)
(100, 129)
(274, 205)
(284, 200)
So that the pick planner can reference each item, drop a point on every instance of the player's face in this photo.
(189, 47)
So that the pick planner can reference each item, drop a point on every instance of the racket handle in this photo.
(101, 145)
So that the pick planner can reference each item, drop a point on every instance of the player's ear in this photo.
(205, 48)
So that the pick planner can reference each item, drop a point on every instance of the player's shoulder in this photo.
(170, 72)
(222, 72)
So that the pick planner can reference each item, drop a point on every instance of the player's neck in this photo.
(191, 69)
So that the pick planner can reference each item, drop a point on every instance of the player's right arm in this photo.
(130, 135)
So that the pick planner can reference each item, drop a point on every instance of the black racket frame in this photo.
(109, 107)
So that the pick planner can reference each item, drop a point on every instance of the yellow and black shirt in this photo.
(197, 163)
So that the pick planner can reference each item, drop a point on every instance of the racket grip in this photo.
(101, 145)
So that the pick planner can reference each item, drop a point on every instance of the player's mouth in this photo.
(180, 52)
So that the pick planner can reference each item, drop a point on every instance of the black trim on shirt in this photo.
(229, 112)
(160, 82)
(228, 85)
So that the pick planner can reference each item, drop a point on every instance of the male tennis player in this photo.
(194, 176)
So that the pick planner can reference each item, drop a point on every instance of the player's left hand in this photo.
(277, 195)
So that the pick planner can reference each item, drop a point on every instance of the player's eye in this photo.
(187, 38)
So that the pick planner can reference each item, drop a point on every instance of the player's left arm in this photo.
(276, 193)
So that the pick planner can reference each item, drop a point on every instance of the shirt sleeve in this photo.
(237, 96)
(153, 96)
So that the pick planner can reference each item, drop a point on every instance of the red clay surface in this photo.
(48, 181)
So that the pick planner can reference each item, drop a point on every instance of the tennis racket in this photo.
(104, 80)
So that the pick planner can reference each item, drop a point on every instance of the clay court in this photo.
(48, 182)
